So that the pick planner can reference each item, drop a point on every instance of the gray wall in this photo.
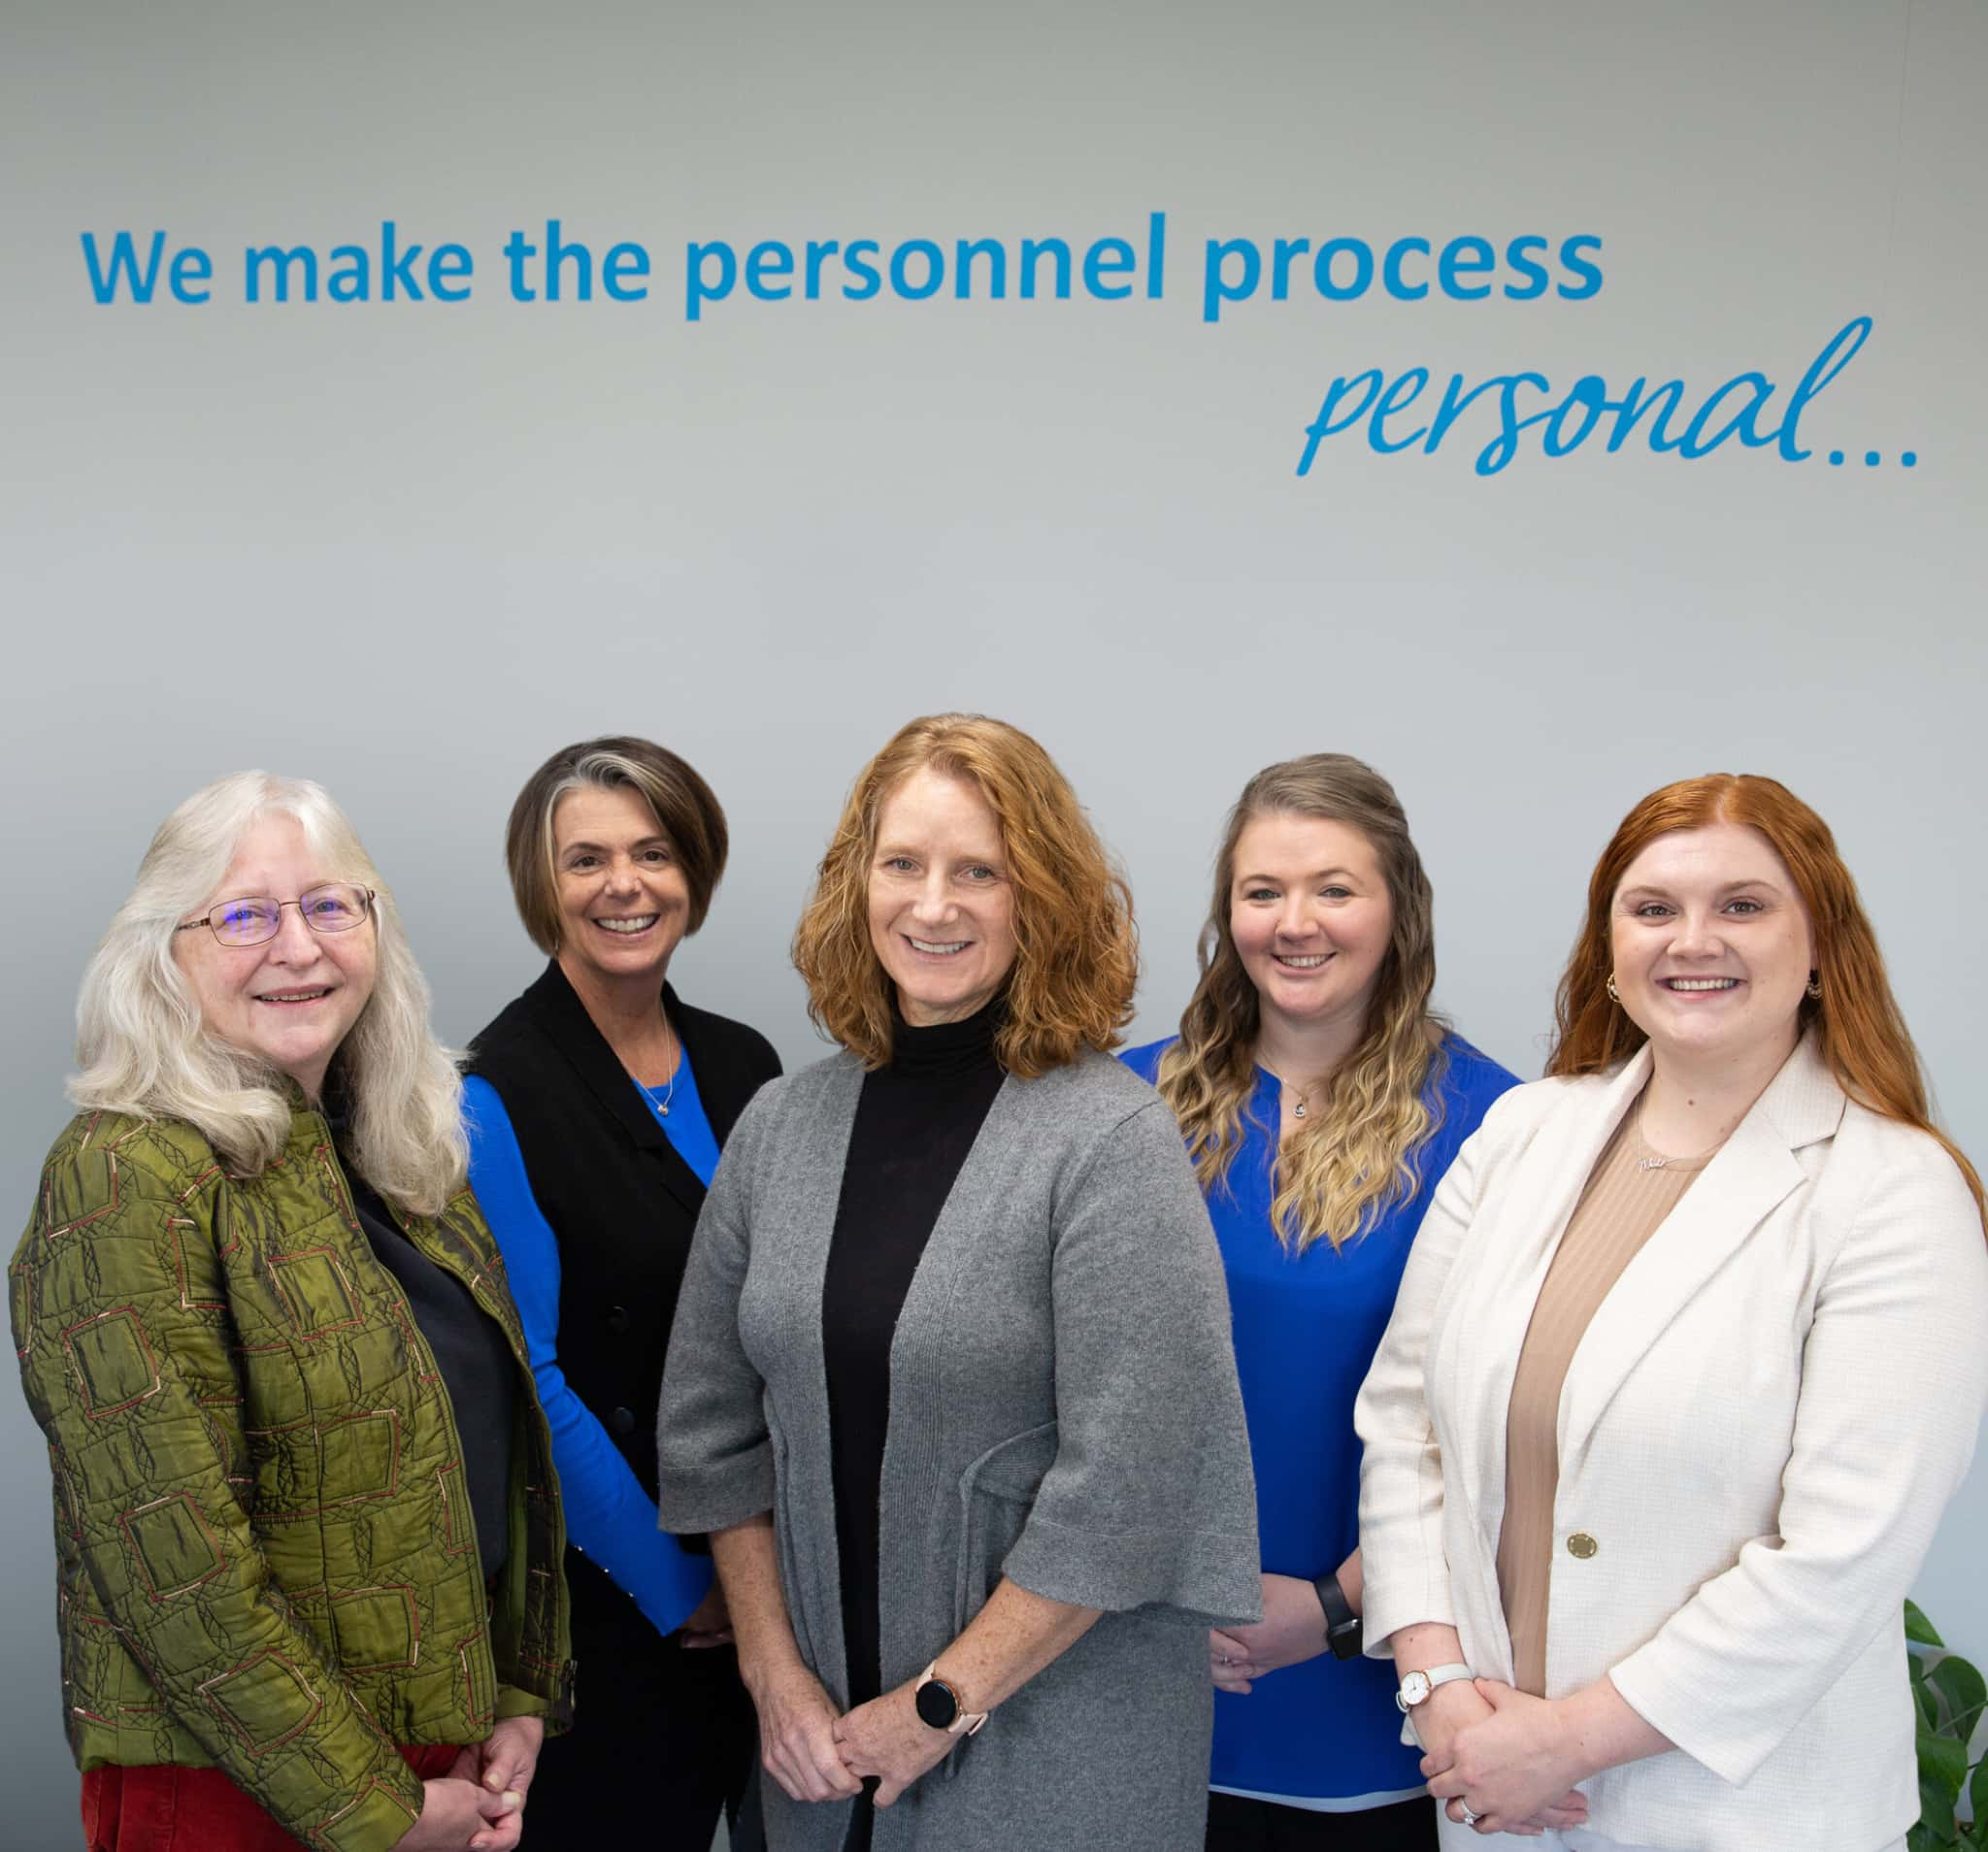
(408, 550)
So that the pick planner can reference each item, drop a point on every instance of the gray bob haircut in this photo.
(142, 1047)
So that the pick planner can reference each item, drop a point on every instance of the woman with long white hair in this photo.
(308, 1529)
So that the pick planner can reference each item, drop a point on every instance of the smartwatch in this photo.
(1341, 1624)
(1417, 1685)
(938, 1705)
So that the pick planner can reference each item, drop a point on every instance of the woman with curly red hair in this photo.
(951, 1384)
(1646, 1474)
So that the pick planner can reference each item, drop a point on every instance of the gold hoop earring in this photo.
(1615, 995)
(1814, 989)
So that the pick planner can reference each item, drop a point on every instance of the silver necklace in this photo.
(660, 1108)
(1291, 1086)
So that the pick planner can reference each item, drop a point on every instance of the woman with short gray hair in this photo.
(598, 1102)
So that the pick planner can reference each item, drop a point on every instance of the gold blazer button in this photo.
(1582, 1545)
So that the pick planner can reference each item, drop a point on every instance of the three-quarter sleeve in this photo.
(1149, 1500)
(715, 1463)
(1878, 1449)
(609, 1516)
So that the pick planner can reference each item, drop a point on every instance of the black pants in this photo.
(663, 1741)
(1236, 1825)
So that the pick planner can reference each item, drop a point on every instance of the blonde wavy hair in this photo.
(143, 1048)
(1353, 1158)
(1076, 957)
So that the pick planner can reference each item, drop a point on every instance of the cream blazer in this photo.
(1758, 1435)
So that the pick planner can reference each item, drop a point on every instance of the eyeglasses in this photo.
(335, 908)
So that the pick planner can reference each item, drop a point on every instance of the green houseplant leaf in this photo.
(1925, 1699)
(1966, 1693)
(1949, 1698)
(1942, 1770)
(1918, 1629)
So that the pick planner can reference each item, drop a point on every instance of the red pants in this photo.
(165, 1809)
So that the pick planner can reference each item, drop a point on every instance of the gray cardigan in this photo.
(1063, 1411)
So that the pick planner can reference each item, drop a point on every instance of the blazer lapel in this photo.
(560, 1013)
(1496, 1295)
(1741, 1187)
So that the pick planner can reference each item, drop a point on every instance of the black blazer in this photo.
(622, 1201)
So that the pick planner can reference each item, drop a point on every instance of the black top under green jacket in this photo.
(265, 1560)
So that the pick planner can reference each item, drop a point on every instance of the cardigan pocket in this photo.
(997, 1493)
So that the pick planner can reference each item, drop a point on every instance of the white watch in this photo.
(1417, 1685)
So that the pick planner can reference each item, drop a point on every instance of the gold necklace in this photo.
(1653, 1160)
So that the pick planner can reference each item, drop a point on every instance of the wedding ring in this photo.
(1470, 1818)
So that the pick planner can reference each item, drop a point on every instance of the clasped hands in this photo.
(1292, 1629)
(817, 1754)
(1504, 1755)
(478, 1805)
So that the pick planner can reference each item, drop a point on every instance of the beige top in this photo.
(1628, 1193)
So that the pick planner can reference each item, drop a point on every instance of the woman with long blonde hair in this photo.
(1320, 1099)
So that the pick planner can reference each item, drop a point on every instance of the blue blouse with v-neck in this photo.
(1323, 1734)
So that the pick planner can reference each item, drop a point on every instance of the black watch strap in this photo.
(1341, 1624)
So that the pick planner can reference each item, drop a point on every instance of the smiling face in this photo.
(941, 907)
(291, 1000)
(623, 902)
(1309, 912)
(1713, 947)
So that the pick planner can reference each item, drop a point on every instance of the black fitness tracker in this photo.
(1341, 1624)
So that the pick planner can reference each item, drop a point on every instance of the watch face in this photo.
(937, 1705)
(1414, 1688)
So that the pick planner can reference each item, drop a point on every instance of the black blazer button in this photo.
(623, 1421)
(617, 1319)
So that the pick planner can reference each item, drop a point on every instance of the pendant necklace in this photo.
(660, 1108)
(1290, 1086)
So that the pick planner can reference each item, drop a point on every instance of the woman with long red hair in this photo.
(1646, 1476)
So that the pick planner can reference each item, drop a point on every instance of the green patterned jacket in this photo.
(266, 1562)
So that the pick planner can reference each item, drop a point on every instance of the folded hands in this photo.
(817, 1754)
(1500, 1759)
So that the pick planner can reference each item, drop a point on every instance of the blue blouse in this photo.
(1325, 1734)
(607, 1514)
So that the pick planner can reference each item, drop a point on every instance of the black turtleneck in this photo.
(917, 1119)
